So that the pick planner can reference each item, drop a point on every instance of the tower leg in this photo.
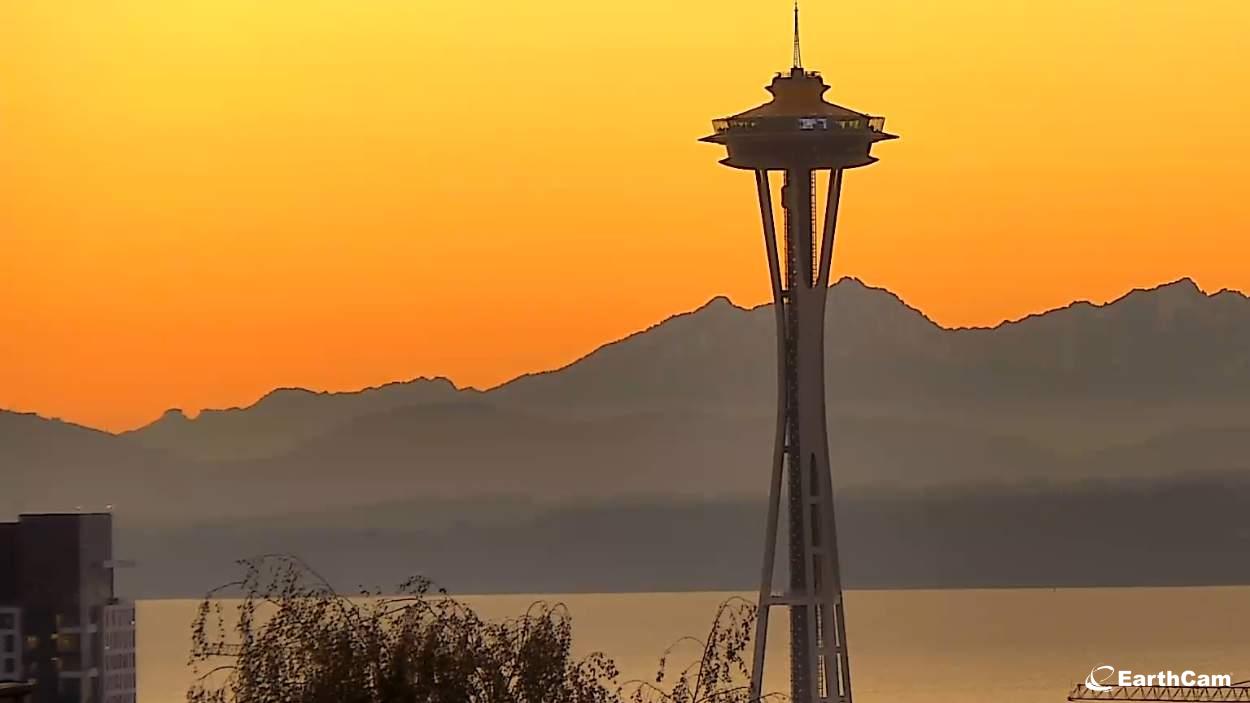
(835, 664)
(819, 670)
(774, 491)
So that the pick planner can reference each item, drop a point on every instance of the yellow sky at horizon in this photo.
(201, 200)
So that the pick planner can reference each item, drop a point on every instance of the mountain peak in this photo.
(720, 302)
(1180, 289)
(1186, 283)
(1179, 298)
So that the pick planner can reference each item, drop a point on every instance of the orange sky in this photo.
(203, 199)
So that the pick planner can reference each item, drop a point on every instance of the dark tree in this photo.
(293, 639)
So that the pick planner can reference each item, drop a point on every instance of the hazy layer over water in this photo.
(932, 646)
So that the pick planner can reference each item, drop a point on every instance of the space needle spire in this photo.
(798, 58)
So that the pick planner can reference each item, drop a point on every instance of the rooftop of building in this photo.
(73, 514)
(26, 517)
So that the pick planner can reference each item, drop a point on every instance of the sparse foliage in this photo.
(718, 674)
(293, 639)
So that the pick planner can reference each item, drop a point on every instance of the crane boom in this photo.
(1236, 693)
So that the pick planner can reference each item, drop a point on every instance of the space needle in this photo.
(797, 135)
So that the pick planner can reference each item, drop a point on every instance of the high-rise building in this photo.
(799, 138)
(10, 614)
(57, 584)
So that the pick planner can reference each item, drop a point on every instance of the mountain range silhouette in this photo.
(1076, 446)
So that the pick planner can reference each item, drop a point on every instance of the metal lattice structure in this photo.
(1235, 693)
(799, 136)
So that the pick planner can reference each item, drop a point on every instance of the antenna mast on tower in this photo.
(798, 58)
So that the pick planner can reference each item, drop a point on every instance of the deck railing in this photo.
(805, 124)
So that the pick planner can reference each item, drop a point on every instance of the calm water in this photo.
(932, 646)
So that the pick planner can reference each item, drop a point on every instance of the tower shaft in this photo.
(799, 270)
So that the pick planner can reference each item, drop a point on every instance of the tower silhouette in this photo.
(800, 135)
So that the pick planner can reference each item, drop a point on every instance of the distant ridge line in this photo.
(1186, 283)
(1097, 306)
(297, 389)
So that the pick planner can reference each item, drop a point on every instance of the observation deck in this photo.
(798, 128)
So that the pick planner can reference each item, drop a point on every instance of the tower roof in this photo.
(799, 93)
(798, 128)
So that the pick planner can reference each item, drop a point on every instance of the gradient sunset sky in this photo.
(201, 200)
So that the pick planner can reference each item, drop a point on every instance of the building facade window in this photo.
(67, 643)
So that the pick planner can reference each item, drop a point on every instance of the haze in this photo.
(206, 199)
